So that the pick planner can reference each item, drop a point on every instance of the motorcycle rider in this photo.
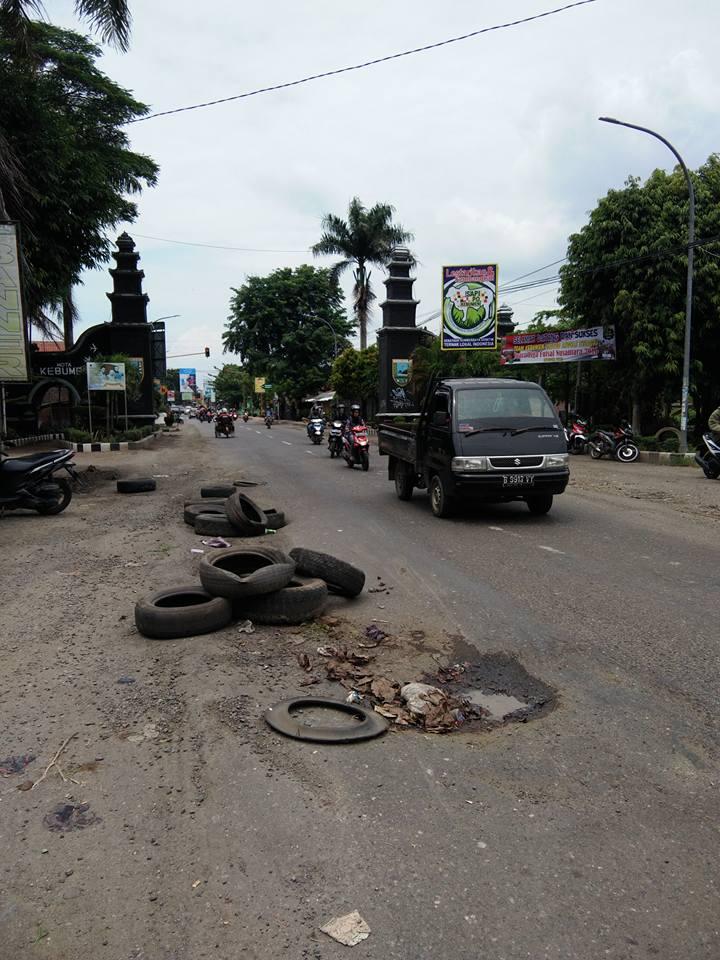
(714, 424)
(354, 420)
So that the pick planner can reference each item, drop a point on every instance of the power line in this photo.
(217, 246)
(546, 267)
(367, 63)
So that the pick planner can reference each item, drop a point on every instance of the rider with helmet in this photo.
(355, 419)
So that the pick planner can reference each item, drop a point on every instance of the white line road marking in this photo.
(551, 550)
(287, 443)
(499, 529)
(311, 452)
(257, 432)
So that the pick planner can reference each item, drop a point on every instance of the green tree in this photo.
(356, 374)
(644, 227)
(233, 385)
(365, 238)
(67, 172)
(430, 362)
(111, 19)
(282, 328)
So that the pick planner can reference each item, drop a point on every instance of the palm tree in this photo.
(110, 18)
(366, 237)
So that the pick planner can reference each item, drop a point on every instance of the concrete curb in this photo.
(28, 441)
(118, 447)
(668, 459)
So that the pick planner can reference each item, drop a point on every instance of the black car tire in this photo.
(193, 510)
(404, 484)
(214, 490)
(140, 485)
(245, 515)
(276, 519)
(540, 504)
(302, 599)
(214, 525)
(238, 573)
(51, 509)
(341, 577)
(441, 503)
(280, 717)
(181, 612)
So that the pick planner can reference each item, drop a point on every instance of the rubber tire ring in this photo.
(213, 525)
(192, 512)
(139, 485)
(188, 620)
(215, 490)
(341, 577)
(280, 718)
(273, 572)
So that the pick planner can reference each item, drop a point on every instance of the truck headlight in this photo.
(469, 464)
(556, 460)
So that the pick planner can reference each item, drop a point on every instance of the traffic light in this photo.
(207, 351)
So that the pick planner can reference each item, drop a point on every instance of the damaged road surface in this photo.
(570, 812)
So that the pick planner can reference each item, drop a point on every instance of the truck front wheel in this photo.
(403, 482)
(441, 503)
(540, 504)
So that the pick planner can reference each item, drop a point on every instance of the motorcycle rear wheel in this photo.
(365, 460)
(52, 508)
(595, 451)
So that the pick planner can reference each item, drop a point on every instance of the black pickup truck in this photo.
(481, 439)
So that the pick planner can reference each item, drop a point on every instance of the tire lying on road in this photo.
(284, 718)
(340, 577)
(245, 515)
(193, 510)
(237, 573)
(275, 518)
(213, 490)
(185, 611)
(139, 485)
(214, 525)
(302, 599)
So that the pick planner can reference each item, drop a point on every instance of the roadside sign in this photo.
(268, 386)
(469, 307)
(259, 384)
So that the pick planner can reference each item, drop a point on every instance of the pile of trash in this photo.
(223, 510)
(259, 584)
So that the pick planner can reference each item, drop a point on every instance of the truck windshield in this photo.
(517, 406)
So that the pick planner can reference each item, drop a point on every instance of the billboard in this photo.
(469, 307)
(106, 376)
(559, 346)
(13, 356)
(259, 384)
(188, 381)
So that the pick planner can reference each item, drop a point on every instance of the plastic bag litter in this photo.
(349, 930)
(218, 542)
(421, 697)
(246, 627)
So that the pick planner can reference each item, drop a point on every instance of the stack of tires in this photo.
(224, 511)
(260, 583)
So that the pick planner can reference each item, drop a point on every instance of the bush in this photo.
(101, 436)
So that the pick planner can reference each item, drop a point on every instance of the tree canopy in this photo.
(65, 167)
(110, 18)
(366, 237)
(233, 385)
(282, 328)
(627, 267)
(356, 374)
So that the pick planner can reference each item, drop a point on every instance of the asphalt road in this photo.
(591, 832)
(586, 833)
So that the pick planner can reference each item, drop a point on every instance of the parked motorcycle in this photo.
(316, 429)
(29, 482)
(335, 439)
(355, 447)
(709, 459)
(618, 444)
(577, 435)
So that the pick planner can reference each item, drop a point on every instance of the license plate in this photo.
(518, 479)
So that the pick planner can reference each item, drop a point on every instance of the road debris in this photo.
(70, 816)
(149, 732)
(246, 627)
(220, 542)
(54, 763)
(15, 764)
(125, 679)
(375, 635)
(349, 930)
(421, 697)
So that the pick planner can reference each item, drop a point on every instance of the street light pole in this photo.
(689, 287)
(332, 329)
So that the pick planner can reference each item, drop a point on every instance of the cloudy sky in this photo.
(489, 149)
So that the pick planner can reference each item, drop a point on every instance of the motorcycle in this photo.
(709, 460)
(355, 447)
(268, 421)
(335, 439)
(224, 426)
(29, 482)
(246, 417)
(617, 444)
(234, 415)
(316, 429)
(577, 436)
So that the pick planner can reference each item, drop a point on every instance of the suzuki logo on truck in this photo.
(517, 461)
